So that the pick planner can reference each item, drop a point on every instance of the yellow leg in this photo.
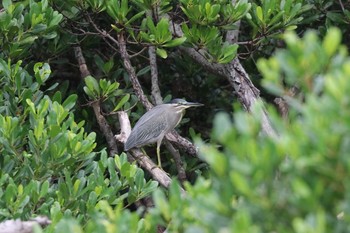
(158, 155)
(143, 152)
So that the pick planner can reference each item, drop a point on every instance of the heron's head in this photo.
(181, 104)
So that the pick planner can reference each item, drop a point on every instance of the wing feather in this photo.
(148, 129)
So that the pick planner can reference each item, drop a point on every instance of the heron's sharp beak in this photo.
(192, 104)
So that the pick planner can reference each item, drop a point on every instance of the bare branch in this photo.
(131, 71)
(101, 120)
(156, 94)
(145, 162)
(154, 75)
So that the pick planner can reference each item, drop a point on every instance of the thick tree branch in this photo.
(247, 93)
(125, 127)
(101, 120)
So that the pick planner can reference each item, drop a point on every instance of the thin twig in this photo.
(138, 53)
(178, 162)
(341, 5)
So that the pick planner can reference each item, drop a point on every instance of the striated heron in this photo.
(156, 123)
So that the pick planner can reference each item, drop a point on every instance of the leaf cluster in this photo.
(23, 23)
(271, 15)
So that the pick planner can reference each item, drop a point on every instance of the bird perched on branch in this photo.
(156, 123)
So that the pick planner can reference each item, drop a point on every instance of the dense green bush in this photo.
(48, 162)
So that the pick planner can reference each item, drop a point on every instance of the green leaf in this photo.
(89, 92)
(162, 53)
(135, 17)
(143, 71)
(122, 102)
(150, 25)
(217, 160)
(104, 84)
(56, 19)
(76, 187)
(39, 28)
(92, 85)
(6, 4)
(68, 225)
(259, 14)
(31, 106)
(139, 179)
(69, 103)
(332, 41)
(107, 67)
(10, 193)
(222, 126)
(42, 72)
(162, 204)
(175, 42)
